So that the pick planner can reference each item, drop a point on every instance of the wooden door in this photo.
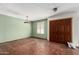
(60, 30)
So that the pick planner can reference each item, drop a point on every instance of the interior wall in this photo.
(34, 29)
(2, 28)
(75, 29)
(75, 21)
(12, 28)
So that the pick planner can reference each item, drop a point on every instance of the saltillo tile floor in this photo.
(33, 46)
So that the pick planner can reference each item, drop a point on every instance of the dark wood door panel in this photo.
(60, 30)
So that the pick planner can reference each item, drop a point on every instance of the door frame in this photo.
(48, 23)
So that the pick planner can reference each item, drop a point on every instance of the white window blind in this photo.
(40, 28)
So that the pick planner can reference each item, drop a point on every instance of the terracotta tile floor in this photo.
(32, 46)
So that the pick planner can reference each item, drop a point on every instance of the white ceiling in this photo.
(34, 11)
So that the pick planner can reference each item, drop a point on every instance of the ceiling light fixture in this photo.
(55, 9)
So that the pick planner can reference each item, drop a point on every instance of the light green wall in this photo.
(2, 28)
(34, 29)
(12, 28)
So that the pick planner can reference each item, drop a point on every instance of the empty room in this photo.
(39, 29)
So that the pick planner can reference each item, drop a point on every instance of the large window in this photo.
(40, 27)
